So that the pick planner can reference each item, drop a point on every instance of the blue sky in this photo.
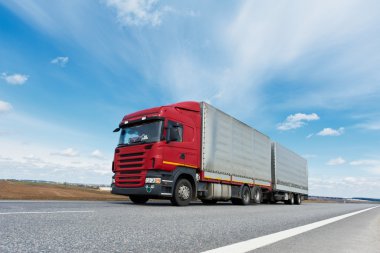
(305, 73)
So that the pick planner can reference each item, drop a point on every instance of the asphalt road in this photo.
(33, 226)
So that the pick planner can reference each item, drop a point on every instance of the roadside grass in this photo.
(20, 190)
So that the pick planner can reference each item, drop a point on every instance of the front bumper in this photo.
(154, 191)
(162, 190)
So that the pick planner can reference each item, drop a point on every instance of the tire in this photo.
(209, 201)
(183, 193)
(245, 197)
(138, 199)
(298, 199)
(291, 200)
(257, 195)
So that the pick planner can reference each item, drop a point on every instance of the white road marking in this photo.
(48, 212)
(262, 241)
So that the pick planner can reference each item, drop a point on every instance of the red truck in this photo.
(192, 150)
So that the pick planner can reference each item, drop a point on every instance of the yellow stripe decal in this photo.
(179, 164)
(216, 178)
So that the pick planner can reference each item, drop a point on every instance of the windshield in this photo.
(141, 133)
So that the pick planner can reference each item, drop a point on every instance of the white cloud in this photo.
(331, 132)
(97, 154)
(348, 186)
(372, 166)
(32, 158)
(138, 12)
(69, 152)
(365, 162)
(15, 79)
(297, 120)
(93, 173)
(60, 60)
(336, 161)
(5, 158)
(36, 162)
(374, 125)
(5, 106)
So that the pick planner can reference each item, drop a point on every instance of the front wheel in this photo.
(138, 199)
(183, 193)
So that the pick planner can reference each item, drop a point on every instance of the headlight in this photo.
(149, 180)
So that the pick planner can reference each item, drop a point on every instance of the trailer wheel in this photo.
(291, 200)
(138, 199)
(298, 199)
(245, 197)
(183, 192)
(257, 195)
(209, 201)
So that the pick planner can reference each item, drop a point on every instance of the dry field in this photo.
(16, 190)
(43, 191)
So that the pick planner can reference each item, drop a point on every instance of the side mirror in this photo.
(116, 130)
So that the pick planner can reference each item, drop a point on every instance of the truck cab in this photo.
(158, 147)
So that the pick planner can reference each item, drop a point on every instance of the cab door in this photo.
(180, 151)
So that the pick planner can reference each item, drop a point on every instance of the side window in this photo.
(176, 131)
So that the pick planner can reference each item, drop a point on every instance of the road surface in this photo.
(80, 226)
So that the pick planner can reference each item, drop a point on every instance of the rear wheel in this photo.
(290, 201)
(245, 197)
(138, 199)
(209, 201)
(257, 195)
(183, 192)
(298, 199)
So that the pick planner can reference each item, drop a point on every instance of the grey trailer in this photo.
(289, 174)
(236, 155)
(233, 151)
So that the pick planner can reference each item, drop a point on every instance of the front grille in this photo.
(131, 160)
(132, 154)
(135, 165)
(129, 170)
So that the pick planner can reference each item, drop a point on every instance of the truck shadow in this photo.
(195, 203)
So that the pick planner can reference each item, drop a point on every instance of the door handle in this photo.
(182, 156)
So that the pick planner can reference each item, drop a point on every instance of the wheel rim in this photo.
(246, 196)
(184, 192)
(257, 196)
